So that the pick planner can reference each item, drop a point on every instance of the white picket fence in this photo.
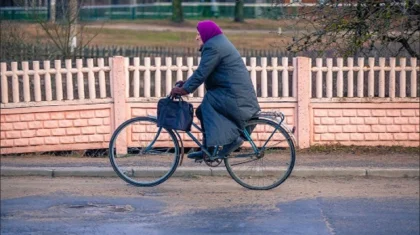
(46, 73)
(360, 69)
(20, 84)
(157, 69)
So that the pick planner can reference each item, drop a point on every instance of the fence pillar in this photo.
(118, 74)
(304, 80)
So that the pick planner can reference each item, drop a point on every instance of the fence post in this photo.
(118, 74)
(304, 80)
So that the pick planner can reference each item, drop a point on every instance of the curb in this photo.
(301, 172)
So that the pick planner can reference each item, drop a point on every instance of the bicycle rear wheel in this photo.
(268, 167)
(143, 154)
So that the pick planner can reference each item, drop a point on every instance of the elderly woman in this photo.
(230, 100)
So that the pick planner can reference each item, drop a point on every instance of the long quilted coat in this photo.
(230, 99)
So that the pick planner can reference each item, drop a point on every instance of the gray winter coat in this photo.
(230, 99)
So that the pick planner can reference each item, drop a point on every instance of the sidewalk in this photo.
(307, 165)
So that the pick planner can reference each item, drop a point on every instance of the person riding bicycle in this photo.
(230, 99)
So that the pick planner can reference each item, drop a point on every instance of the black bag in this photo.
(174, 114)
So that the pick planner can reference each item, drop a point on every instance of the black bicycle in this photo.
(145, 155)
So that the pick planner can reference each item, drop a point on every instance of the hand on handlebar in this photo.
(178, 91)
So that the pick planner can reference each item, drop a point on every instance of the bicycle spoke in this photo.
(244, 155)
(157, 151)
(252, 160)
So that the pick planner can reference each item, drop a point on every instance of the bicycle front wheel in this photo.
(267, 161)
(143, 154)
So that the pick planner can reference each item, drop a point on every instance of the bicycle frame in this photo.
(204, 149)
(267, 115)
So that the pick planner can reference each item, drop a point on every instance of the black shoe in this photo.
(229, 148)
(196, 155)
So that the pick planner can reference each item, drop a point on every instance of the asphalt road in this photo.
(209, 205)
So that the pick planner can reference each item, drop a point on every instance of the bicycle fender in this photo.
(181, 145)
(284, 126)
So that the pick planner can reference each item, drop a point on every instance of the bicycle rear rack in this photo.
(280, 117)
(273, 115)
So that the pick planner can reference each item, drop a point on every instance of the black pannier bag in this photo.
(174, 114)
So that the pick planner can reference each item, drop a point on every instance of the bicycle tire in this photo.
(246, 155)
(127, 163)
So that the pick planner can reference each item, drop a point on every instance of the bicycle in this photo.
(165, 151)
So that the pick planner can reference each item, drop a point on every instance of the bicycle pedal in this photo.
(198, 160)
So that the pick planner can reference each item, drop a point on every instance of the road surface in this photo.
(209, 205)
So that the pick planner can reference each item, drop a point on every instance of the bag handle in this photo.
(174, 97)
(179, 97)
(169, 99)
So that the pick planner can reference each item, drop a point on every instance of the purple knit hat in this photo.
(208, 29)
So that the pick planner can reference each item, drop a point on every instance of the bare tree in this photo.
(65, 35)
(15, 42)
(351, 27)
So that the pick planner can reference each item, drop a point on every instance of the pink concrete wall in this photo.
(366, 124)
(43, 129)
(40, 129)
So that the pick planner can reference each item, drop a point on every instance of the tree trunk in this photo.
(177, 15)
(51, 8)
(239, 11)
(72, 21)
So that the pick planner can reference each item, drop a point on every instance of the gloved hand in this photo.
(178, 91)
(179, 83)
